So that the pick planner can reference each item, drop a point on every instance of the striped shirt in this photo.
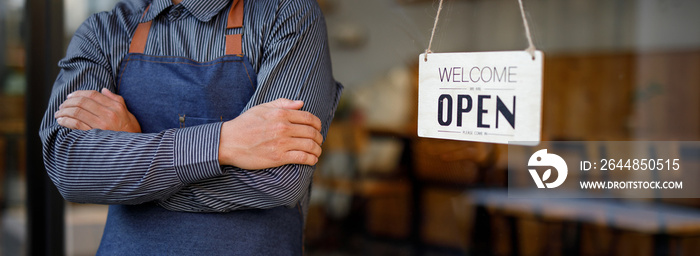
(286, 42)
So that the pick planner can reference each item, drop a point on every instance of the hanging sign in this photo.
(493, 97)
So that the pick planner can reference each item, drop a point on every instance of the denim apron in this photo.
(166, 92)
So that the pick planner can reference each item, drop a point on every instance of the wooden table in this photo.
(663, 221)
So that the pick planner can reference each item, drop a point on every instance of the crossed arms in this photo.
(261, 159)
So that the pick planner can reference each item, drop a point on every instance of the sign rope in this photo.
(531, 46)
(437, 17)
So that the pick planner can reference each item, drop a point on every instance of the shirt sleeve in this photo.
(295, 64)
(109, 167)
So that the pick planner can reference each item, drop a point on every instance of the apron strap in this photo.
(138, 42)
(233, 42)
(235, 20)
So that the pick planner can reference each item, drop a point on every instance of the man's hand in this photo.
(85, 110)
(271, 135)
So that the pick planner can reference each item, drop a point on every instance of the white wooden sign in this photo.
(493, 97)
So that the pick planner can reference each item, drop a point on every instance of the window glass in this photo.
(615, 70)
(12, 129)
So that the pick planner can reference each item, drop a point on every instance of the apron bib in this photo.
(166, 92)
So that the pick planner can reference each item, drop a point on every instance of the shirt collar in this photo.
(203, 10)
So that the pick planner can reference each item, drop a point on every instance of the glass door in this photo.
(12, 129)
